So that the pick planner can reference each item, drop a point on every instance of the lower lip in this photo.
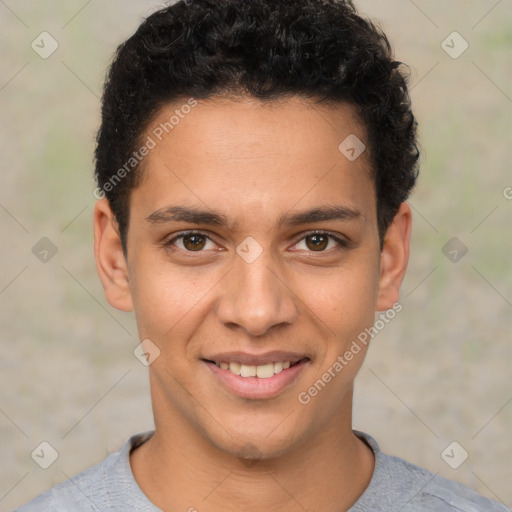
(254, 387)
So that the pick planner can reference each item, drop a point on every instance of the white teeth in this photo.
(264, 371)
(234, 367)
(247, 371)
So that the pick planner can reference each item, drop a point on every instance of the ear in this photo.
(110, 260)
(394, 258)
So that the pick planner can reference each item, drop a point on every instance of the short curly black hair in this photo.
(318, 49)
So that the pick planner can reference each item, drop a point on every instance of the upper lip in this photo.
(256, 359)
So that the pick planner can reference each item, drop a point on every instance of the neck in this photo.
(179, 469)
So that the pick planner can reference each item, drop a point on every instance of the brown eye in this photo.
(194, 242)
(190, 241)
(318, 242)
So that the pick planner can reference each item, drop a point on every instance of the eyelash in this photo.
(342, 244)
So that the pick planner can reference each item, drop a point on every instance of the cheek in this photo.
(162, 297)
(342, 306)
(171, 302)
(343, 299)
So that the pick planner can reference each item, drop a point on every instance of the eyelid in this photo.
(341, 241)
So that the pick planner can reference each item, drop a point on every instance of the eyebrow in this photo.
(197, 216)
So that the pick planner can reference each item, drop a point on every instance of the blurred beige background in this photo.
(439, 372)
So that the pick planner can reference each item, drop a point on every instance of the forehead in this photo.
(246, 155)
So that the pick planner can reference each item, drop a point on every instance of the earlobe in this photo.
(394, 258)
(110, 260)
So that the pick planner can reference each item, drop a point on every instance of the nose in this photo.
(255, 298)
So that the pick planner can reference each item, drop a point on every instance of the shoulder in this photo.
(87, 490)
(92, 490)
(399, 485)
(433, 492)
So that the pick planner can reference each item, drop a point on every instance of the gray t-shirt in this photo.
(396, 486)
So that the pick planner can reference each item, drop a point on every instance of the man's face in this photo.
(259, 283)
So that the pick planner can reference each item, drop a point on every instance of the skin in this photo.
(253, 162)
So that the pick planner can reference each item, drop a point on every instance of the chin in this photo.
(257, 442)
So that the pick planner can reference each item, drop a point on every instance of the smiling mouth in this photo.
(263, 371)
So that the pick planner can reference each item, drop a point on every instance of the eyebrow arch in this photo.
(198, 216)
